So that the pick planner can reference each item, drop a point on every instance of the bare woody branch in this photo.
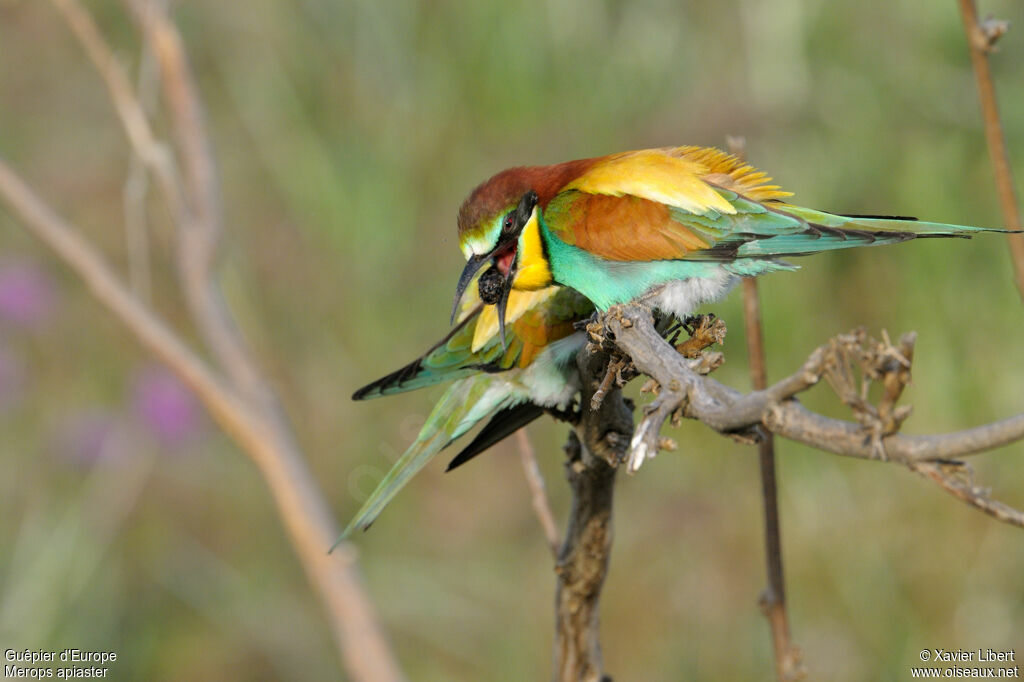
(595, 448)
(136, 189)
(727, 410)
(731, 412)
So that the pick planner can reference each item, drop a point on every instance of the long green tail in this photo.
(776, 230)
(827, 232)
(464, 404)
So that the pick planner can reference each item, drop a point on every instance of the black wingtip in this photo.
(503, 424)
(870, 216)
(410, 371)
(396, 378)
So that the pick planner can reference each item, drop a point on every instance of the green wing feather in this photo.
(481, 387)
(775, 229)
(451, 358)
(614, 248)
(454, 357)
(464, 404)
(659, 212)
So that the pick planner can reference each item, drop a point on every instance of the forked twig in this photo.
(957, 479)
(981, 38)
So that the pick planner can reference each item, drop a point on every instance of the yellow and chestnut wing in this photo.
(660, 204)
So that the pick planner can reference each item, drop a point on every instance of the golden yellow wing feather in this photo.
(657, 175)
(729, 172)
(633, 206)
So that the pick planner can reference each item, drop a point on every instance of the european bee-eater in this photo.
(676, 226)
(513, 381)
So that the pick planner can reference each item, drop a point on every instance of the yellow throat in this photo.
(534, 272)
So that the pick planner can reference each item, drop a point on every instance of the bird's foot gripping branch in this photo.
(849, 363)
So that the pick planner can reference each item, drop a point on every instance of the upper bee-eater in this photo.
(512, 379)
(675, 226)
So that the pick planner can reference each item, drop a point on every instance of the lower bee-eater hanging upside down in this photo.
(675, 227)
(514, 380)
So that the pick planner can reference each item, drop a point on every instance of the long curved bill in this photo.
(502, 303)
(472, 266)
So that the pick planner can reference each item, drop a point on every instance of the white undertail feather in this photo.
(682, 297)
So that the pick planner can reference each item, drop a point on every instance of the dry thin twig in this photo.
(136, 189)
(788, 657)
(199, 234)
(981, 37)
(727, 410)
(244, 405)
(129, 110)
(959, 483)
(538, 491)
(612, 374)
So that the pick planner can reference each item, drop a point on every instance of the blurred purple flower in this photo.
(87, 437)
(27, 294)
(166, 407)
(12, 378)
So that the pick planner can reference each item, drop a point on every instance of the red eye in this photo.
(508, 222)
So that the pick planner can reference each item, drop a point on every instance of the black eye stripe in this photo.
(517, 218)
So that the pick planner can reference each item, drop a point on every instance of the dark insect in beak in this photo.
(494, 287)
(490, 285)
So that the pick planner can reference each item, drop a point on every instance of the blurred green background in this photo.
(347, 134)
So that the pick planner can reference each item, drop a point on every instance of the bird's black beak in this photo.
(506, 289)
(495, 288)
(472, 266)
